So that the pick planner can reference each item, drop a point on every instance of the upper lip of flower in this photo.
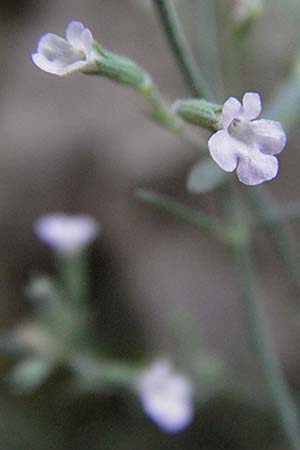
(246, 144)
(62, 56)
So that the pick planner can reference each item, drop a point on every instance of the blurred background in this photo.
(84, 145)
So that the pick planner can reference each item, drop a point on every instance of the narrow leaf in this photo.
(183, 212)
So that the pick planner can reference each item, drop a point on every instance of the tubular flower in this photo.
(245, 144)
(166, 396)
(63, 56)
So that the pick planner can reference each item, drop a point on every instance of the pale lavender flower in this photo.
(166, 396)
(63, 56)
(245, 144)
(67, 234)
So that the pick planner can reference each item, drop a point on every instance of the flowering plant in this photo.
(240, 142)
(66, 335)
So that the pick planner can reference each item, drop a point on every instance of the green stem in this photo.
(181, 48)
(208, 43)
(169, 119)
(286, 408)
(196, 218)
(74, 272)
(95, 372)
(283, 402)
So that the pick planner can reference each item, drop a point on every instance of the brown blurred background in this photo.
(81, 144)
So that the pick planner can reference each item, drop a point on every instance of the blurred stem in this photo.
(283, 214)
(96, 372)
(216, 44)
(208, 43)
(284, 104)
(283, 240)
(230, 50)
(181, 49)
(196, 218)
(286, 408)
(74, 270)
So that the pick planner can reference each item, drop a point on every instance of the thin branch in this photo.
(181, 49)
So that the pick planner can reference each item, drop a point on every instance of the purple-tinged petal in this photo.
(257, 168)
(224, 150)
(232, 108)
(73, 33)
(43, 63)
(251, 105)
(63, 56)
(269, 136)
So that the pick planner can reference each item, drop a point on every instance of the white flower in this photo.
(245, 144)
(166, 396)
(63, 56)
(66, 233)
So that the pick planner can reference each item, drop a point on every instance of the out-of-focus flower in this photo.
(166, 396)
(67, 234)
(245, 144)
(63, 56)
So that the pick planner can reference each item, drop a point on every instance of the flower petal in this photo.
(251, 105)
(51, 44)
(232, 108)
(73, 33)
(257, 168)
(43, 63)
(269, 136)
(87, 41)
(224, 150)
(56, 55)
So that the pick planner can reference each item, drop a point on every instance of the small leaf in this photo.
(205, 176)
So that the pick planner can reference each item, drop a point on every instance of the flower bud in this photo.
(198, 112)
